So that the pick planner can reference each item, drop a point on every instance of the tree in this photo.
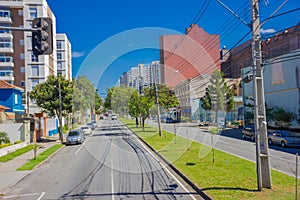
(108, 98)
(166, 97)
(4, 138)
(86, 95)
(218, 96)
(134, 106)
(46, 96)
(282, 118)
(120, 99)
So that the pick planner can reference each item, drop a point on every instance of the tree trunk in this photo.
(212, 145)
(143, 123)
(136, 122)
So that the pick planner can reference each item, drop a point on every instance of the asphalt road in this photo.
(230, 141)
(111, 164)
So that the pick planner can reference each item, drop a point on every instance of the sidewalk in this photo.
(9, 175)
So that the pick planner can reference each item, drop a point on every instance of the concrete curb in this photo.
(185, 178)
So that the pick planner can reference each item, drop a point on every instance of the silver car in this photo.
(284, 138)
(86, 129)
(75, 137)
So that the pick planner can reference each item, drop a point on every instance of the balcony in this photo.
(5, 17)
(6, 61)
(6, 34)
(6, 47)
(7, 76)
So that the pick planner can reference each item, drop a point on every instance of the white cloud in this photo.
(270, 30)
(76, 54)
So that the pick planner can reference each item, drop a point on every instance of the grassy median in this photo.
(16, 153)
(40, 158)
(228, 177)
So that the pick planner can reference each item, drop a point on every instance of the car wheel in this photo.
(283, 144)
(243, 136)
(270, 142)
(252, 138)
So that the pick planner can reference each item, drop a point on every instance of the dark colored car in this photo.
(284, 138)
(248, 132)
(75, 137)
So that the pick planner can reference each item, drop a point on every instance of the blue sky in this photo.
(90, 24)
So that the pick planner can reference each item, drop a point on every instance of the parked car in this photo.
(114, 117)
(248, 132)
(284, 138)
(95, 123)
(91, 125)
(75, 137)
(86, 129)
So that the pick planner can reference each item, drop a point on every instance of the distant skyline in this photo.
(91, 23)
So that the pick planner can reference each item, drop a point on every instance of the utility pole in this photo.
(262, 151)
(157, 102)
(60, 113)
(261, 139)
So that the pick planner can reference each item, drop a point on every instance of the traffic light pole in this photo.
(18, 29)
(262, 150)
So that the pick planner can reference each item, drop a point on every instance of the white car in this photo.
(86, 129)
(114, 117)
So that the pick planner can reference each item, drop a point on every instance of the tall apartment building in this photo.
(142, 76)
(186, 56)
(64, 63)
(18, 65)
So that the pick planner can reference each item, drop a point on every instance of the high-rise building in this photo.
(18, 64)
(186, 56)
(64, 63)
(143, 75)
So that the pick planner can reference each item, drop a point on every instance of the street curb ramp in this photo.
(186, 179)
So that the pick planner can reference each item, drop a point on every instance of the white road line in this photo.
(20, 195)
(43, 193)
(166, 169)
(112, 180)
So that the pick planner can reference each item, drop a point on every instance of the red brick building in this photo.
(190, 55)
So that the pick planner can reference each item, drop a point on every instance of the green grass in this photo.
(40, 158)
(229, 177)
(16, 153)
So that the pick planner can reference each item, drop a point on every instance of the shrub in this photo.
(18, 141)
(5, 145)
(4, 138)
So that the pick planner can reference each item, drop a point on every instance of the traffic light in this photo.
(42, 39)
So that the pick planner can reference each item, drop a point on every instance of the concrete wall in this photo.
(15, 131)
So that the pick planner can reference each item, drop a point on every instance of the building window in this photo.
(20, 12)
(34, 58)
(35, 71)
(22, 69)
(22, 42)
(59, 65)
(59, 56)
(34, 83)
(4, 13)
(5, 43)
(33, 12)
(59, 45)
(22, 83)
(22, 56)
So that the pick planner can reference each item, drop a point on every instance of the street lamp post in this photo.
(157, 103)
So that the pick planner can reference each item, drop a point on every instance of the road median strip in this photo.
(16, 153)
(228, 177)
(40, 158)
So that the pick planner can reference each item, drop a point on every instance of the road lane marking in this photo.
(20, 195)
(43, 193)
(112, 180)
(165, 168)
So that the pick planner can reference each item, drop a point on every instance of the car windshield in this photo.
(85, 127)
(73, 133)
